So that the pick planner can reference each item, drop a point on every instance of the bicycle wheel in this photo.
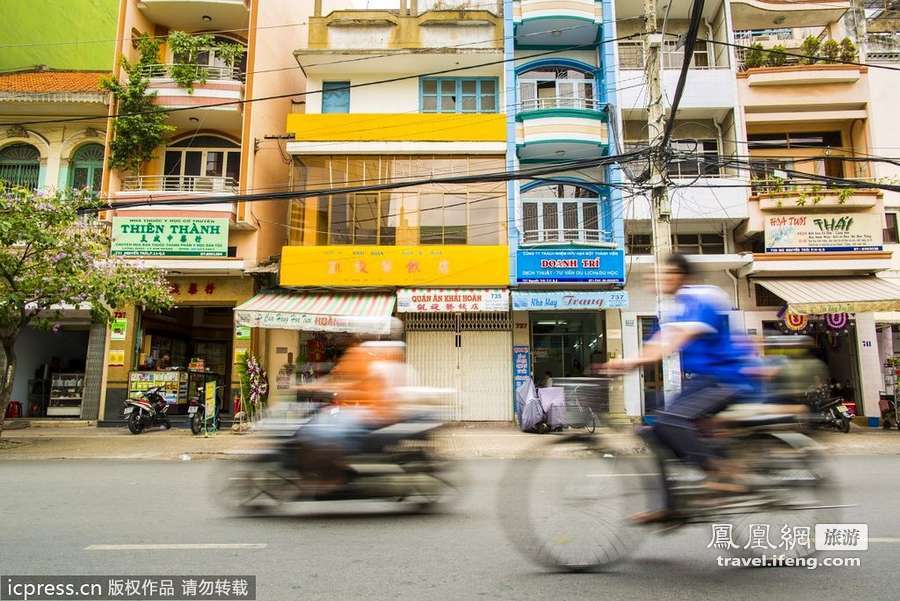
(566, 505)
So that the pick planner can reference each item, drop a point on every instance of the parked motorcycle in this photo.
(396, 462)
(197, 411)
(148, 410)
(828, 411)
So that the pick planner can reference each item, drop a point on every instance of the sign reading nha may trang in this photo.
(169, 237)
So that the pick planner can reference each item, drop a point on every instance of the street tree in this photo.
(54, 253)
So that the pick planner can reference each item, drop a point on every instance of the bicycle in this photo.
(566, 506)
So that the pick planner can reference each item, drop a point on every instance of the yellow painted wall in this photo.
(420, 127)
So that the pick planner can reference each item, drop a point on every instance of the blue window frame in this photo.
(458, 94)
(335, 96)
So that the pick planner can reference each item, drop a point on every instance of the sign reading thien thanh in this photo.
(169, 237)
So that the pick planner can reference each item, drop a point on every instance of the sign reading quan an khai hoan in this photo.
(169, 237)
(823, 232)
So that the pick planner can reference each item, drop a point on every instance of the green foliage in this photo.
(140, 126)
(848, 53)
(754, 56)
(844, 194)
(829, 51)
(185, 49)
(810, 48)
(52, 255)
(776, 57)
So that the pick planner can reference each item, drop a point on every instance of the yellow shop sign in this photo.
(432, 266)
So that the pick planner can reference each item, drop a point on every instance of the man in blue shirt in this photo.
(721, 368)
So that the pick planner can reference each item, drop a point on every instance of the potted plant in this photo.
(810, 50)
(777, 57)
(848, 54)
(829, 51)
(754, 56)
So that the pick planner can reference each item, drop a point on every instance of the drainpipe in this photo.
(709, 36)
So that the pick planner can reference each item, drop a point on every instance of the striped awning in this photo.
(834, 295)
(357, 313)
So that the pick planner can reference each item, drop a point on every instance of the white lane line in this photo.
(175, 546)
(884, 540)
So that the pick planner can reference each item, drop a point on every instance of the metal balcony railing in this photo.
(179, 183)
(631, 56)
(209, 71)
(560, 102)
(532, 235)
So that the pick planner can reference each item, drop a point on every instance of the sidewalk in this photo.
(464, 441)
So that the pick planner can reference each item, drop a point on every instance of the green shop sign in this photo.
(169, 237)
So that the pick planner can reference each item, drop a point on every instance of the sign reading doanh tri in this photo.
(169, 237)
(595, 265)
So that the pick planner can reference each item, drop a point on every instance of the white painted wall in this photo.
(395, 97)
(698, 202)
(705, 88)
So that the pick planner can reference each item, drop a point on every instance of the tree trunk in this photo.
(8, 363)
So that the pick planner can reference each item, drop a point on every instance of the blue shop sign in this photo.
(547, 265)
(569, 301)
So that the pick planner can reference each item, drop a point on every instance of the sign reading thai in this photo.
(169, 237)
(825, 232)
(569, 301)
(395, 266)
(451, 301)
(597, 265)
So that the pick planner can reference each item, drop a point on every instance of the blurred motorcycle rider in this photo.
(364, 383)
(722, 368)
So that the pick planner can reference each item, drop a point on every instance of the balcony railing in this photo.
(179, 183)
(532, 235)
(560, 102)
(208, 71)
(631, 56)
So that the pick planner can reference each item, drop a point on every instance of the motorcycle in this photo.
(148, 410)
(829, 411)
(566, 505)
(197, 412)
(396, 463)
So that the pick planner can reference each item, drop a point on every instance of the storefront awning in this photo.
(834, 295)
(357, 313)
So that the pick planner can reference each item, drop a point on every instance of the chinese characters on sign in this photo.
(169, 237)
(146, 588)
(475, 266)
(596, 265)
(823, 232)
(451, 301)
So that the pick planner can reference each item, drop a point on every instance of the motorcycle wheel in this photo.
(565, 504)
(135, 423)
(196, 423)
(252, 486)
(845, 425)
(166, 424)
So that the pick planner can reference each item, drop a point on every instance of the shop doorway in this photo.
(182, 349)
(50, 371)
(837, 350)
(652, 388)
(564, 345)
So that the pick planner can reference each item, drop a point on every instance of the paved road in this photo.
(54, 510)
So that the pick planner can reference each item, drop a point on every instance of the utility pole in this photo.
(661, 211)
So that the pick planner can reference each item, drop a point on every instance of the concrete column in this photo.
(317, 8)
(614, 349)
(869, 366)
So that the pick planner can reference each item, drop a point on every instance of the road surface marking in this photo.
(175, 546)
(884, 540)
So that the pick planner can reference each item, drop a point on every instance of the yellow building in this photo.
(365, 244)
